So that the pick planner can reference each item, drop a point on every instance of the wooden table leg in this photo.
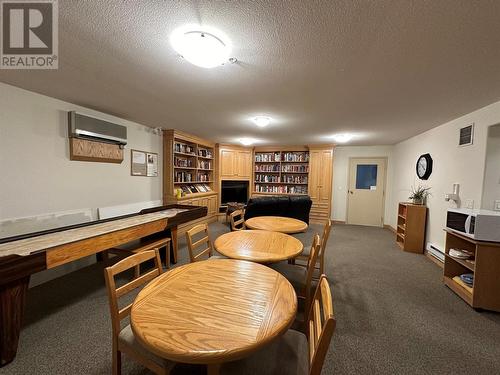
(213, 369)
(12, 303)
(173, 232)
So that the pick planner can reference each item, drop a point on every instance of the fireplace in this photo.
(234, 191)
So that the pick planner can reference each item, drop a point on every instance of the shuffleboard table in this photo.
(21, 256)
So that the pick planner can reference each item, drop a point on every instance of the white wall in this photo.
(37, 175)
(41, 185)
(341, 176)
(452, 164)
(491, 185)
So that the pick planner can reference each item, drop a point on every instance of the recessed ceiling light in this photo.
(246, 141)
(342, 138)
(261, 121)
(205, 47)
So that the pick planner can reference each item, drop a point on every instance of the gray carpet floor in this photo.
(394, 316)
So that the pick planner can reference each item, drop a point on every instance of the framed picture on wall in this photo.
(143, 163)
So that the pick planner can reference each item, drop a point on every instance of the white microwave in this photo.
(481, 225)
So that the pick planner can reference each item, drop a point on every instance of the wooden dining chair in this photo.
(237, 224)
(195, 254)
(301, 277)
(295, 352)
(123, 339)
(320, 262)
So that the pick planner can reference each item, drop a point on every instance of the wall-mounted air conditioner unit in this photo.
(86, 127)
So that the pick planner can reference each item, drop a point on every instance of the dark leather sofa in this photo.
(294, 206)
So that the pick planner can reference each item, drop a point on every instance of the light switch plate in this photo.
(496, 207)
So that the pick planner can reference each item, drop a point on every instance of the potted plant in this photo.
(419, 194)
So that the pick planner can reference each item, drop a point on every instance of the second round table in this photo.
(276, 224)
(258, 246)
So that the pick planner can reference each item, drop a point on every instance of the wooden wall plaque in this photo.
(85, 150)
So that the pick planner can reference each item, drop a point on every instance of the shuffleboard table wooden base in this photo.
(24, 255)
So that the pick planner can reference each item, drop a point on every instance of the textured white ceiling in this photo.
(385, 70)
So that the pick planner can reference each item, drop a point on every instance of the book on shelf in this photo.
(184, 148)
(266, 178)
(296, 156)
(295, 168)
(261, 188)
(183, 162)
(267, 168)
(204, 164)
(293, 179)
(182, 176)
(267, 157)
(203, 177)
(205, 153)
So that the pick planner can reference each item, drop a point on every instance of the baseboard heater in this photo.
(435, 252)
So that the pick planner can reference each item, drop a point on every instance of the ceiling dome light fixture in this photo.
(261, 121)
(342, 138)
(246, 141)
(205, 47)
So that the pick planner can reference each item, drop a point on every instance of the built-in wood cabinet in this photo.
(235, 163)
(410, 232)
(320, 182)
(189, 173)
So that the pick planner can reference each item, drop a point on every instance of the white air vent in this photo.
(466, 135)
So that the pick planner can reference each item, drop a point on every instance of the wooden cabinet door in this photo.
(212, 205)
(325, 177)
(227, 163)
(244, 168)
(314, 174)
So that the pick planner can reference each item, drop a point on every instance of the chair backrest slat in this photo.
(311, 263)
(124, 312)
(136, 283)
(324, 241)
(194, 253)
(237, 224)
(200, 241)
(317, 321)
(320, 326)
(114, 293)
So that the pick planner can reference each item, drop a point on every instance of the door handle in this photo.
(351, 192)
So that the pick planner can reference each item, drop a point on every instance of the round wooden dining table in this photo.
(213, 311)
(276, 224)
(259, 246)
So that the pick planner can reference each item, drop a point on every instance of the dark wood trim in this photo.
(15, 267)
(12, 305)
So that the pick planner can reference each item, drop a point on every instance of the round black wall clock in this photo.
(424, 166)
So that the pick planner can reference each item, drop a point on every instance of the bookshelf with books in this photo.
(296, 170)
(189, 172)
(281, 171)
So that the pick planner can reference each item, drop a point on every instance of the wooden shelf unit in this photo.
(189, 163)
(485, 292)
(281, 172)
(410, 230)
(318, 173)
